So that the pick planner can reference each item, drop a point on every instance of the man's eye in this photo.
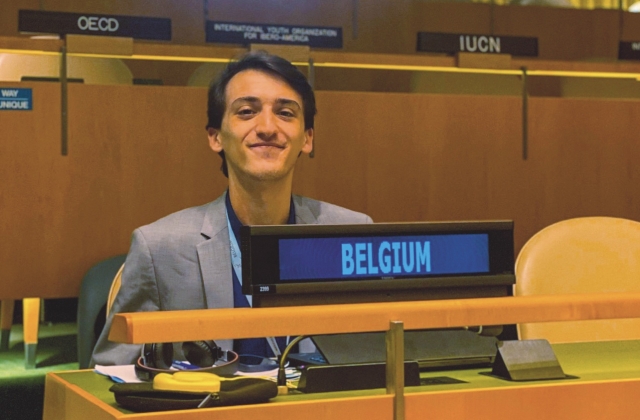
(246, 112)
(287, 114)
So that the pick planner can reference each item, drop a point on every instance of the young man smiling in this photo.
(262, 133)
(261, 118)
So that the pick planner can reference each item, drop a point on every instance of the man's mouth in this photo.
(260, 145)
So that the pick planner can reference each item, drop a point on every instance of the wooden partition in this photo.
(604, 376)
(189, 325)
(380, 26)
(137, 153)
(404, 157)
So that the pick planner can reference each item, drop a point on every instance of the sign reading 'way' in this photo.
(16, 99)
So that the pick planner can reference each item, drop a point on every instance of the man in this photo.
(261, 118)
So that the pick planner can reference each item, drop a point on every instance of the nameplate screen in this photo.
(386, 256)
(298, 259)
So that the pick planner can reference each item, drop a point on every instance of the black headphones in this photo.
(158, 358)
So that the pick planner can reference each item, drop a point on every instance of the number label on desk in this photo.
(265, 288)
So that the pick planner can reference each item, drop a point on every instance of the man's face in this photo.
(262, 131)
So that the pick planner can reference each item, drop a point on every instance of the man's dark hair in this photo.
(270, 64)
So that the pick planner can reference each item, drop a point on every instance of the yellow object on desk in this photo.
(187, 381)
(190, 381)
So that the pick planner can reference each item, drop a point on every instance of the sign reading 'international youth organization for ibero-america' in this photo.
(257, 33)
(16, 99)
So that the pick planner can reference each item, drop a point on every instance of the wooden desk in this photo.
(608, 372)
(607, 388)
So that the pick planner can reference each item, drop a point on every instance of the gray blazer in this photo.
(183, 261)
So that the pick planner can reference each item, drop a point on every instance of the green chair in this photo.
(92, 304)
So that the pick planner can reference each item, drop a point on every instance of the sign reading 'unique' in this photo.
(16, 99)
(256, 33)
(629, 51)
(490, 44)
(93, 24)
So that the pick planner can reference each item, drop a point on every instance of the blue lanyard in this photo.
(236, 257)
(236, 263)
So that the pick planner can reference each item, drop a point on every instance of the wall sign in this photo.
(629, 51)
(257, 33)
(490, 44)
(13, 99)
(93, 24)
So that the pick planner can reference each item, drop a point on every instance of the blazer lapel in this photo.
(304, 215)
(215, 258)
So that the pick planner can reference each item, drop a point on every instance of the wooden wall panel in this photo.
(454, 17)
(30, 170)
(630, 27)
(137, 153)
(453, 157)
(410, 157)
(563, 34)
(583, 158)
(382, 26)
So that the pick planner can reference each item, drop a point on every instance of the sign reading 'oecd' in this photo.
(488, 44)
(34, 21)
(16, 99)
(256, 33)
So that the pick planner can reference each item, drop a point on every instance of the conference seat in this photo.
(205, 73)
(581, 255)
(92, 305)
(113, 291)
(89, 70)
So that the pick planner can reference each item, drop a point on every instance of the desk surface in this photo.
(608, 386)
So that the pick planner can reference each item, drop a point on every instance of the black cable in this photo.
(282, 375)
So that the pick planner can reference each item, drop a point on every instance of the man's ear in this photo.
(307, 147)
(214, 139)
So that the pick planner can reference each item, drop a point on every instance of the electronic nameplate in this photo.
(289, 265)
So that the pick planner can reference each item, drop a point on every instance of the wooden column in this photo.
(6, 320)
(30, 320)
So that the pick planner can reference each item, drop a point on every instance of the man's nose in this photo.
(266, 126)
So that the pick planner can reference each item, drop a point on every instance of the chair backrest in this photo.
(91, 305)
(113, 291)
(583, 255)
(91, 70)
